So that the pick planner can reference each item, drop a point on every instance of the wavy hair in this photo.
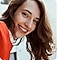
(41, 38)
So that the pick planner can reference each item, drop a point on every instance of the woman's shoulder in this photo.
(3, 28)
(5, 44)
(3, 25)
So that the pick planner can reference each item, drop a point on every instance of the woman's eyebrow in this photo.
(28, 11)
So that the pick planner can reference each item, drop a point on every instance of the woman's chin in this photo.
(19, 35)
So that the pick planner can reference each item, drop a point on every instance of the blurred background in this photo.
(4, 1)
(51, 13)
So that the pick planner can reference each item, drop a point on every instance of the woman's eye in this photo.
(25, 15)
(36, 21)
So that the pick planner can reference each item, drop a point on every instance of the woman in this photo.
(25, 18)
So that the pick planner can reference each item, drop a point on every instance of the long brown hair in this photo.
(41, 38)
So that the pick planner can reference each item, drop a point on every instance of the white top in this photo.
(21, 52)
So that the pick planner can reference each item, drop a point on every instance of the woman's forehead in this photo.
(30, 5)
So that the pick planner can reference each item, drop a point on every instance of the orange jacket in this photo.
(5, 44)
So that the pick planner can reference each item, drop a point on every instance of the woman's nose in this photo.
(29, 23)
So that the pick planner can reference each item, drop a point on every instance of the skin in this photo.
(26, 18)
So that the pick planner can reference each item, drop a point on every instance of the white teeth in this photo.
(23, 29)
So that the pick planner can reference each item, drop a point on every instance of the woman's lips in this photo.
(22, 29)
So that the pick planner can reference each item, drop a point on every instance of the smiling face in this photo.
(26, 18)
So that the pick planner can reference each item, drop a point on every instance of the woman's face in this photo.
(26, 18)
